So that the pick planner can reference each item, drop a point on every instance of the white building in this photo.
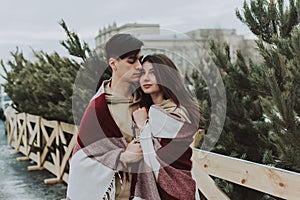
(184, 49)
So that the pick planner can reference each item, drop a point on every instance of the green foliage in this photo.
(282, 106)
(268, 19)
(263, 97)
(211, 95)
(244, 123)
(298, 10)
(43, 87)
(55, 87)
(263, 110)
(93, 71)
(73, 43)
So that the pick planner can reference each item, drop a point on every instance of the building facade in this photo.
(185, 49)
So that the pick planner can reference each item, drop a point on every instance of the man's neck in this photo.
(120, 88)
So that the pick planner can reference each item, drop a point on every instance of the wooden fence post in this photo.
(35, 141)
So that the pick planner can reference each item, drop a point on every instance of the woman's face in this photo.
(148, 80)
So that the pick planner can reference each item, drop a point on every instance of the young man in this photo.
(105, 148)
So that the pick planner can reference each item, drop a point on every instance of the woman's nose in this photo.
(145, 77)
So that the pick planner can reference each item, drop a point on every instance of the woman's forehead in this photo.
(147, 65)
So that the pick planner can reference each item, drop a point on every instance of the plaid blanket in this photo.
(165, 172)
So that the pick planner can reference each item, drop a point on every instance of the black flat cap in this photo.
(121, 44)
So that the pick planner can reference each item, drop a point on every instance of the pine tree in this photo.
(42, 87)
(262, 119)
(277, 26)
(92, 72)
(244, 130)
(55, 87)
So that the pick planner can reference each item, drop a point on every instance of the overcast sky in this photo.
(33, 24)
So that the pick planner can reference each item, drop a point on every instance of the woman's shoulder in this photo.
(178, 111)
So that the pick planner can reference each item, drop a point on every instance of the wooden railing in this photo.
(49, 144)
(274, 181)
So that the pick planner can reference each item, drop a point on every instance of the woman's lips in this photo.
(147, 85)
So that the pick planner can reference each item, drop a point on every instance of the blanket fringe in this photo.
(111, 191)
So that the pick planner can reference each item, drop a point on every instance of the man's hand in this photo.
(132, 154)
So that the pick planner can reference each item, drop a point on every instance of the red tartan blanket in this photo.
(165, 172)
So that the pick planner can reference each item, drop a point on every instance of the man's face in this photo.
(129, 68)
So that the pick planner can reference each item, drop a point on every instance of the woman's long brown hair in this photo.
(171, 84)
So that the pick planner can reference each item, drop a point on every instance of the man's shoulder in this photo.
(101, 91)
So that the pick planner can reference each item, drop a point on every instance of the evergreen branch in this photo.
(5, 71)
(298, 10)
(73, 43)
(269, 20)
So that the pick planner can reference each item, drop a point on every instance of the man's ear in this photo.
(112, 64)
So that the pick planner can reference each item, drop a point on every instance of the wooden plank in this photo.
(34, 168)
(50, 167)
(62, 135)
(12, 129)
(32, 118)
(10, 119)
(49, 123)
(54, 167)
(49, 140)
(70, 128)
(277, 182)
(44, 131)
(24, 158)
(14, 151)
(68, 154)
(35, 131)
(65, 177)
(34, 139)
(20, 130)
(33, 156)
(22, 134)
(52, 180)
(15, 133)
(36, 158)
(56, 159)
(67, 129)
(205, 183)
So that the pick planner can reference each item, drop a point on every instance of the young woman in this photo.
(168, 119)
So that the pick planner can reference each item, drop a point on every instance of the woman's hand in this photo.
(132, 154)
(140, 116)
